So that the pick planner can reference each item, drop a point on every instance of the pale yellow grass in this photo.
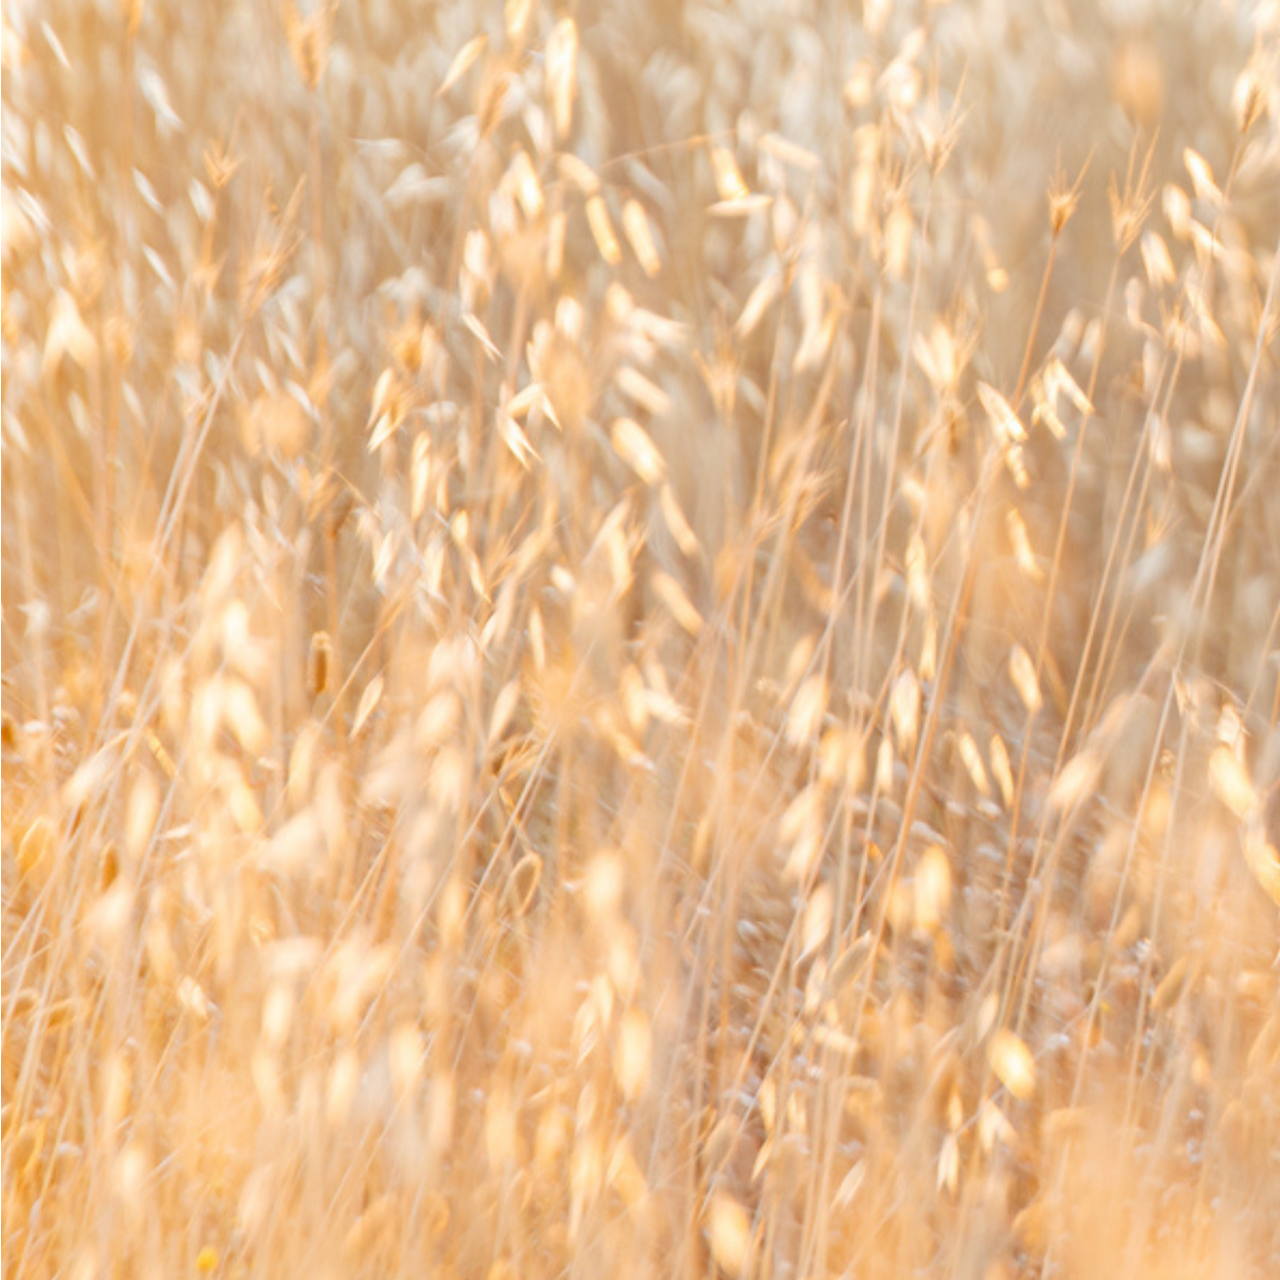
(641, 639)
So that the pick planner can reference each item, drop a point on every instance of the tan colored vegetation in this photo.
(641, 639)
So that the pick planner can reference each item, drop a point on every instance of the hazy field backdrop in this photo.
(641, 638)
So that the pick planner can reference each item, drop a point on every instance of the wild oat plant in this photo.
(641, 639)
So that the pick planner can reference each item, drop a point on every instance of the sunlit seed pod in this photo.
(521, 887)
(729, 1229)
(319, 664)
(602, 230)
(35, 852)
(1023, 673)
(1012, 1062)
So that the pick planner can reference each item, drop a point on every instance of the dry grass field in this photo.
(641, 638)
